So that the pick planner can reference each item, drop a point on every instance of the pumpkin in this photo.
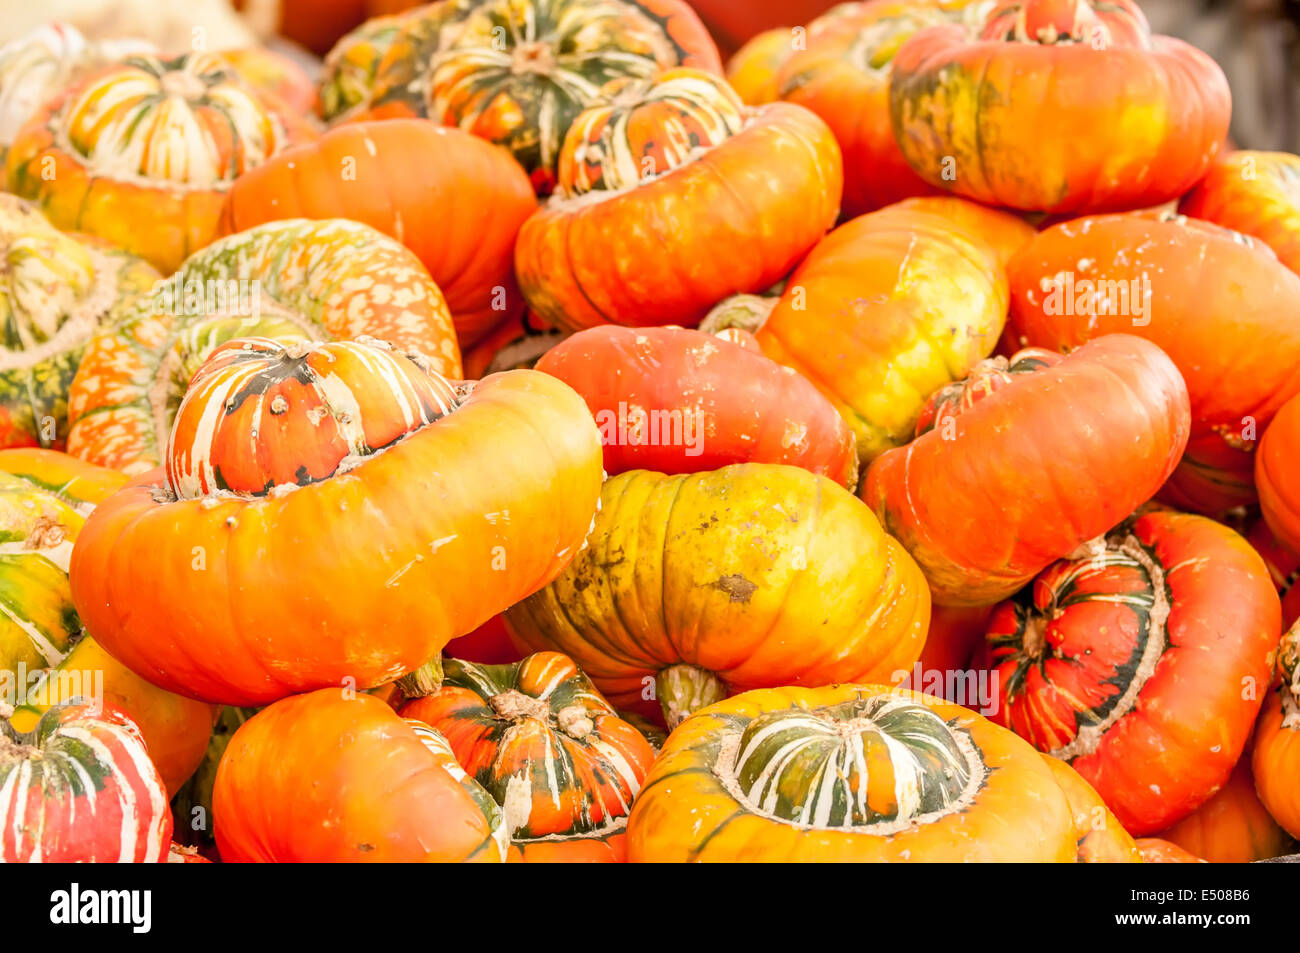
(147, 142)
(692, 587)
(518, 72)
(80, 788)
(55, 291)
(1276, 758)
(39, 64)
(1255, 193)
(454, 200)
(1066, 450)
(1142, 660)
(1232, 827)
(350, 67)
(1275, 466)
(658, 189)
(428, 510)
(334, 777)
(549, 749)
(679, 401)
(891, 306)
(1218, 303)
(860, 773)
(843, 75)
(752, 70)
(276, 76)
(995, 112)
(290, 280)
(1157, 851)
(731, 24)
(45, 497)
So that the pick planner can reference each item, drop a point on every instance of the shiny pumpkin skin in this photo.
(1232, 827)
(1220, 306)
(148, 141)
(1126, 409)
(1275, 475)
(518, 72)
(81, 789)
(767, 180)
(308, 280)
(1276, 758)
(56, 290)
(549, 749)
(1155, 850)
(706, 584)
(1142, 661)
(994, 113)
(454, 200)
(1255, 193)
(44, 499)
(891, 306)
(999, 800)
(843, 76)
(718, 403)
(339, 777)
(429, 539)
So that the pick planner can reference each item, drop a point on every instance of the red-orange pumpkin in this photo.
(680, 401)
(1233, 827)
(1255, 193)
(542, 741)
(1063, 453)
(1218, 303)
(1277, 475)
(454, 200)
(1142, 661)
(1058, 106)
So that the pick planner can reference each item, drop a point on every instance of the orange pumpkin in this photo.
(295, 280)
(1276, 759)
(1255, 193)
(995, 112)
(679, 149)
(892, 306)
(142, 153)
(414, 541)
(454, 200)
(1232, 827)
(861, 773)
(1157, 851)
(1275, 475)
(543, 742)
(1217, 302)
(1103, 428)
(752, 70)
(696, 586)
(334, 776)
(1142, 660)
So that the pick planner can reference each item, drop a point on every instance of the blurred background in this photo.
(1256, 42)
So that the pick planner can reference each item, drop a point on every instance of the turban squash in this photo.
(1276, 758)
(454, 200)
(1217, 302)
(45, 497)
(1255, 193)
(55, 291)
(290, 280)
(678, 401)
(148, 142)
(1143, 661)
(338, 777)
(861, 773)
(350, 67)
(995, 112)
(518, 72)
(1066, 449)
(430, 507)
(656, 192)
(80, 788)
(536, 734)
(893, 305)
(695, 586)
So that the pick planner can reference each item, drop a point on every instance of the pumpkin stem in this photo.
(684, 689)
(425, 680)
(748, 312)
